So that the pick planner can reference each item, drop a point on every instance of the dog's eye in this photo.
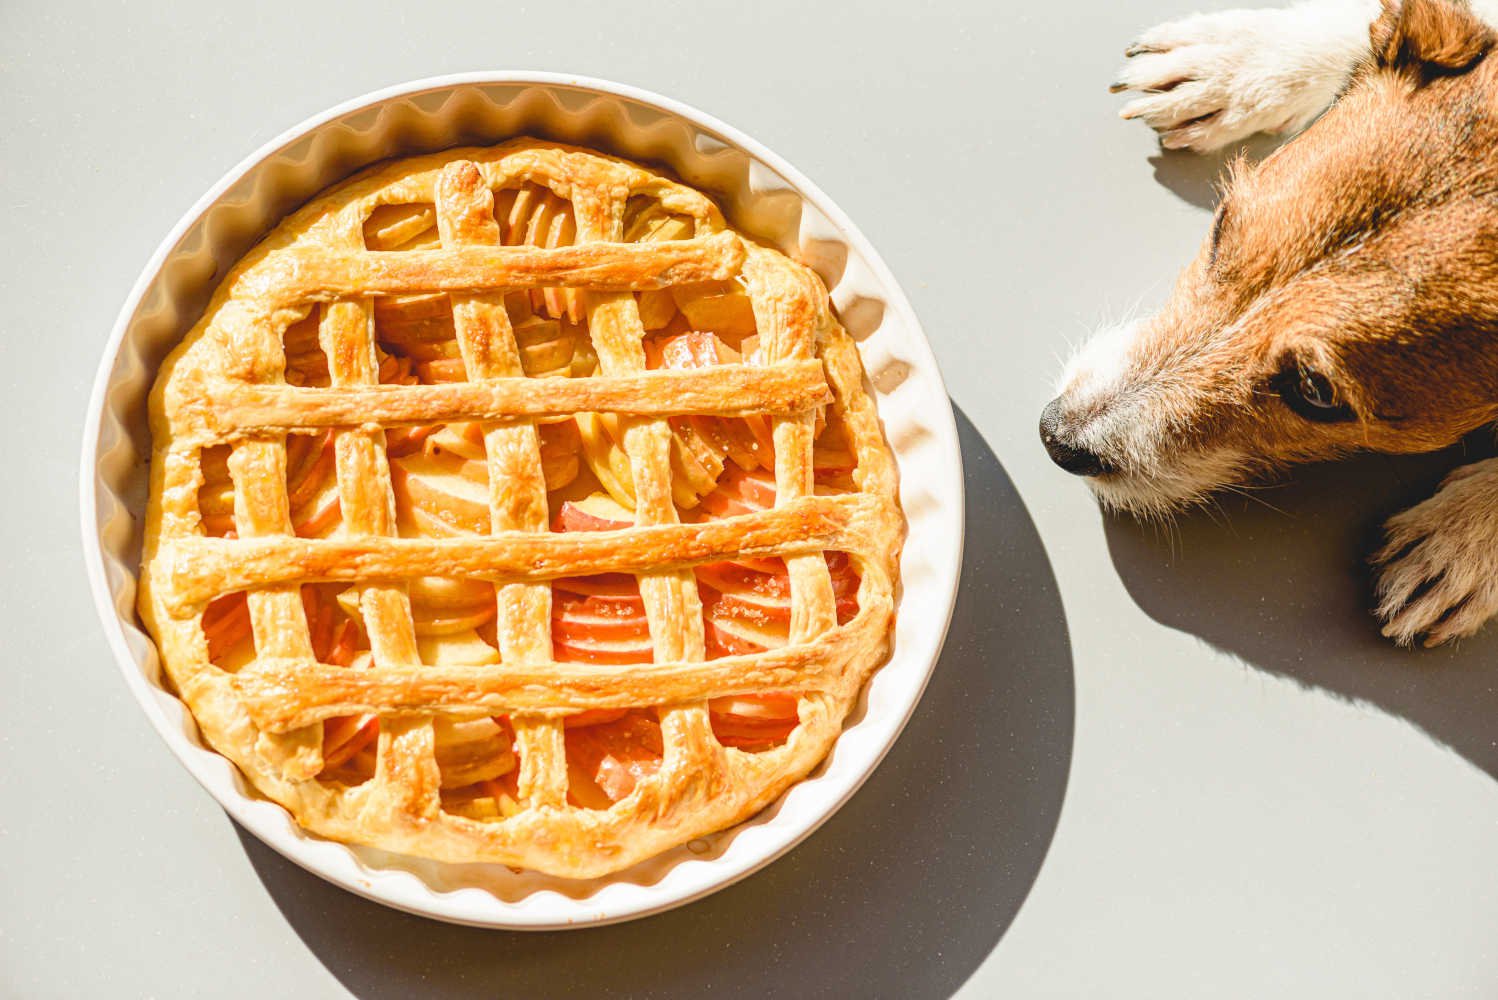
(1311, 394)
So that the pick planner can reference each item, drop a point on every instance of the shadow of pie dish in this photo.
(516, 521)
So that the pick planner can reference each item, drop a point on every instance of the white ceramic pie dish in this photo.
(761, 194)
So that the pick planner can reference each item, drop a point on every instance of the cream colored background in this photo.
(1140, 771)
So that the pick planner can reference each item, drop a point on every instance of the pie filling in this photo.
(721, 467)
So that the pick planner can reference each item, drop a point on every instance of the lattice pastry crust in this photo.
(226, 385)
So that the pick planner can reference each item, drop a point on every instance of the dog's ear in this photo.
(1431, 37)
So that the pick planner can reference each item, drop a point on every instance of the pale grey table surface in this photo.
(1136, 773)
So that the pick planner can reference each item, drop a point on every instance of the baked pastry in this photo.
(508, 506)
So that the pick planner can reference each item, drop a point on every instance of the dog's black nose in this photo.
(1074, 459)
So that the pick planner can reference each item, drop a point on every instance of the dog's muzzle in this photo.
(1063, 451)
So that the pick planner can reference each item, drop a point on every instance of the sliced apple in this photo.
(602, 450)
(720, 438)
(456, 649)
(739, 637)
(598, 619)
(607, 460)
(442, 370)
(308, 369)
(695, 349)
(754, 722)
(226, 623)
(694, 461)
(320, 623)
(419, 351)
(615, 586)
(216, 495)
(595, 512)
(754, 444)
(617, 756)
(344, 648)
(749, 605)
(778, 706)
(578, 649)
(433, 484)
(396, 371)
(347, 599)
(407, 310)
(432, 595)
(657, 307)
(559, 446)
(551, 225)
(757, 487)
(619, 773)
(303, 335)
(719, 306)
(558, 450)
(578, 617)
(389, 227)
(218, 525)
(319, 516)
(401, 441)
(312, 469)
(471, 751)
(546, 347)
(465, 440)
(582, 787)
(722, 503)
(537, 216)
(738, 591)
(420, 523)
(832, 466)
(647, 221)
(454, 624)
(751, 735)
(334, 634)
(345, 737)
(764, 439)
(735, 578)
(513, 210)
(746, 440)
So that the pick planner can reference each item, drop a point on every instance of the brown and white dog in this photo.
(1347, 297)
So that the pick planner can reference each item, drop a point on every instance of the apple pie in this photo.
(508, 506)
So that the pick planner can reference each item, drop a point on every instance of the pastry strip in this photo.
(726, 390)
(317, 275)
(406, 780)
(203, 568)
(517, 483)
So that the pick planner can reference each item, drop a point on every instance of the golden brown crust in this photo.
(235, 410)
(226, 385)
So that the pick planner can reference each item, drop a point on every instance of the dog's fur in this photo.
(1356, 266)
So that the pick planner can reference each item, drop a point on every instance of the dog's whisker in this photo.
(1248, 495)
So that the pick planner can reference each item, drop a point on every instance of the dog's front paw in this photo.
(1212, 79)
(1438, 571)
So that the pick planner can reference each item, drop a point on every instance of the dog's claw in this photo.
(1460, 622)
(1187, 136)
(1438, 571)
